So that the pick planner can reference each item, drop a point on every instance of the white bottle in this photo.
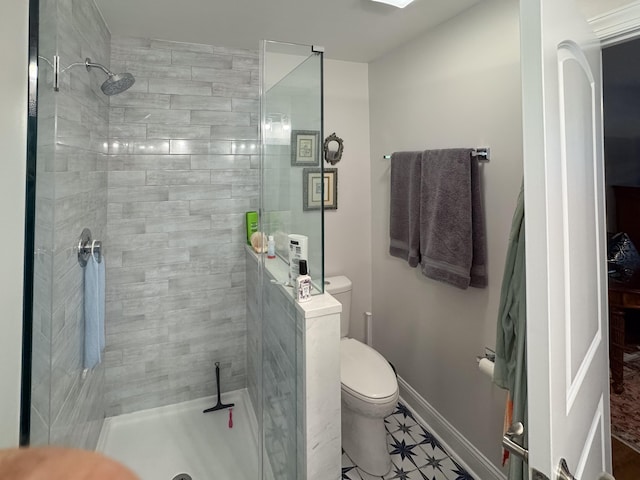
(298, 250)
(271, 247)
(303, 283)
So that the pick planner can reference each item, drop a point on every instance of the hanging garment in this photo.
(510, 370)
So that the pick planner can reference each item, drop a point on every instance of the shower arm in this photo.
(87, 64)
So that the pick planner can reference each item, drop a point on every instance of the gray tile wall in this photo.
(68, 407)
(181, 143)
(254, 335)
(281, 367)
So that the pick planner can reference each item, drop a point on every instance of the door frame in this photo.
(618, 25)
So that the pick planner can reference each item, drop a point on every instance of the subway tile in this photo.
(153, 256)
(188, 239)
(140, 55)
(178, 224)
(220, 76)
(129, 42)
(245, 177)
(125, 241)
(155, 209)
(209, 117)
(234, 51)
(178, 177)
(234, 90)
(138, 194)
(245, 105)
(140, 100)
(181, 46)
(149, 162)
(227, 220)
(155, 115)
(123, 276)
(179, 87)
(122, 291)
(234, 132)
(245, 62)
(219, 162)
(149, 147)
(127, 130)
(116, 115)
(200, 283)
(200, 59)
(193, 267)
(200, 102)
(185, 132)
(141, 85)
(158, 71)
(125, 226)
(199, 192)
(200, 147)
(123, 179)
(225, 205)
(244, 191)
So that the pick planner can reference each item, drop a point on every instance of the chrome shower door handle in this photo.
(516, 430)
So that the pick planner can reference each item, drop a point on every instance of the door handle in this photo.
(564, 473)
(516, 430)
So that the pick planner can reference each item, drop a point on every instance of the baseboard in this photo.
(469, 456)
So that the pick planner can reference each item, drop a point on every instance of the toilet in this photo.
(369, 392)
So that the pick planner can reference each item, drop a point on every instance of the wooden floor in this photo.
(626, 461)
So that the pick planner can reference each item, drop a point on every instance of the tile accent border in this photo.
(468, 455)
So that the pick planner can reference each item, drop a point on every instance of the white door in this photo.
(567, 344)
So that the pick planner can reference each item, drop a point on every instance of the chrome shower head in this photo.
(115, 83)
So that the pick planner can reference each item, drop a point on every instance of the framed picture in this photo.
(317, 189)
(304, 147)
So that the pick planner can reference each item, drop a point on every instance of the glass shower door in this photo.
(292, 189)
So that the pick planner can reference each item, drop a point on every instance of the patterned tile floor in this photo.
(416, 454)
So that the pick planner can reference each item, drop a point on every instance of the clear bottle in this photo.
(303, 283)
(271, 247)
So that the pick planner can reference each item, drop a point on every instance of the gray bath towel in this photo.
(404, 225)
(452, 234)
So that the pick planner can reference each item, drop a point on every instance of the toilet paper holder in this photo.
(488, 354)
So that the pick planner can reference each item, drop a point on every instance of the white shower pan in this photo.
(163, 442)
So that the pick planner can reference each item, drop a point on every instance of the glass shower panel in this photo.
(67, 400)
(40, 414)
(292, 184)
(291, 168)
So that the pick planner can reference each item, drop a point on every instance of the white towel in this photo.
(94, 304)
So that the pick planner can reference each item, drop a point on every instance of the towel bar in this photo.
(88, 246)
(483, 154)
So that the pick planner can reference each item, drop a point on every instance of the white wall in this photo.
(456, 86)
(347, 229)
(13, 128)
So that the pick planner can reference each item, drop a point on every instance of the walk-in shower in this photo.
(164, 176)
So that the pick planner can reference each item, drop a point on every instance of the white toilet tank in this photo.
(340, 288)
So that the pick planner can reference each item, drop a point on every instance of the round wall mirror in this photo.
(333, 148)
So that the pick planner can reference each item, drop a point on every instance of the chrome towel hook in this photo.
(87, 246)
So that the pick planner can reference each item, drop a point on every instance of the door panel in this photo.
(564, 203)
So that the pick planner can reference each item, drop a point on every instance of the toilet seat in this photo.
(365, 374)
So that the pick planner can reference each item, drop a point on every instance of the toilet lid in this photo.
(364, 371)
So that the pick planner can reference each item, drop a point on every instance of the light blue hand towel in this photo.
(94, 336)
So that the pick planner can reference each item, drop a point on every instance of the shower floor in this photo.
(163, 442)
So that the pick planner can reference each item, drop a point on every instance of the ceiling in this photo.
(354, 30)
